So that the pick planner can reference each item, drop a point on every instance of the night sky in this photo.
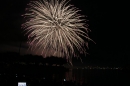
(107, 22)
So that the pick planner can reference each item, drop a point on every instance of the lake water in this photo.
(61, 77)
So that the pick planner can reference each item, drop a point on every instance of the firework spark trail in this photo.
(54, 25)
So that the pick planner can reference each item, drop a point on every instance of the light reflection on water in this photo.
(77, 76)
(95, 77)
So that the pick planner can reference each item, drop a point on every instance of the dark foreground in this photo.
(36, 71)
(60, 76)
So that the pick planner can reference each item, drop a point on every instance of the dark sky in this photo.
(107, 22)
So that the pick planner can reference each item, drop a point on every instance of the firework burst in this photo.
(55, 28)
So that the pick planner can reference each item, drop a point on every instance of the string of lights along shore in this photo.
(55, 28)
